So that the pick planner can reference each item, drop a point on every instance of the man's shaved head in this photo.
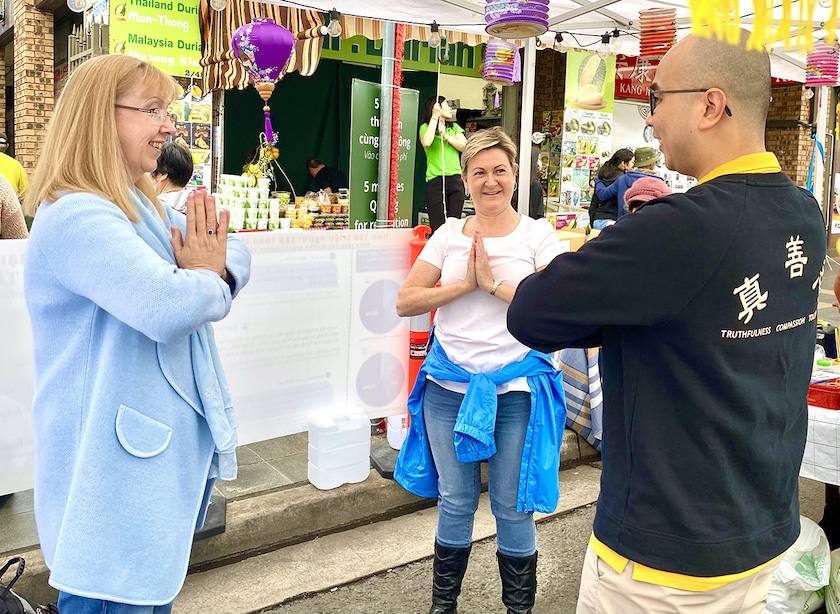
(742, 74)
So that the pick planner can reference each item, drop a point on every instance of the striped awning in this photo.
(221, 68)
(372, 29)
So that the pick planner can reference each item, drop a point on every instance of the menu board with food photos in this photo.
(586, 129)
(193, 128)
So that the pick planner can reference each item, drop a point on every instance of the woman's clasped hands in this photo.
(479, 274)
(205, 244)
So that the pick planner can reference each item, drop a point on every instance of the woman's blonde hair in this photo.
(487, 139)
(83, 146)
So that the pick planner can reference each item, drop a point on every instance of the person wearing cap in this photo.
(12, 170)
(646, 159)
(705, 306)
(644, 190)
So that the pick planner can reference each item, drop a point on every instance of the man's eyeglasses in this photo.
(159, 116)
(654, 100)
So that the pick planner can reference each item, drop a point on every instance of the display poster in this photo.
(315, 330)
(194, 127)
(634, 76)
(163, 33)
(364, 154)
(587, 124)
(835, 206)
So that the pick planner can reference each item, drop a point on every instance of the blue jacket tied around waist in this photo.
(539, 488)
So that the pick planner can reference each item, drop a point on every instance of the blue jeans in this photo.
(601, 224)
(73, 604)
(459, 484)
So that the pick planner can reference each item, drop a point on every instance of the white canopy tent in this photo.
(586, 20)
(582, 23)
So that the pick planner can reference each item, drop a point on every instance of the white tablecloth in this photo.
(821, 461)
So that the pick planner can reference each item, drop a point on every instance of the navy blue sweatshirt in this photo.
(705, 304)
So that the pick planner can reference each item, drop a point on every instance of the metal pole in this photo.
(821, 99)
(386, 100)
(526, 127)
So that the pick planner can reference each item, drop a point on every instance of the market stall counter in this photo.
(253, 207)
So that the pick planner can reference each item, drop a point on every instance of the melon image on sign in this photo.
(591, 76)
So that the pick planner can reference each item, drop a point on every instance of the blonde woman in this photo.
(475, 392)
(12, 223)
(132, 416)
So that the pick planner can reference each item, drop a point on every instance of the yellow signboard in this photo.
(163, 33)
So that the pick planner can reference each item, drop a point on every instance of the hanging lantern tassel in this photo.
(265, 90)
(721, 19)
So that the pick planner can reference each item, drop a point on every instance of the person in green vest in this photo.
(443, 141)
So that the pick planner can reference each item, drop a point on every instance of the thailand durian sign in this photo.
(161, 32)
(587, 124)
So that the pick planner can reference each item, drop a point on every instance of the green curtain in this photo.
(312, 117)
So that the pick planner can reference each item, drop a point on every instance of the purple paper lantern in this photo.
(263, 48)
(500, 62)
(821, 66)
(516, 18)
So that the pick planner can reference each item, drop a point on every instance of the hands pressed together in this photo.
(205, 244)
(479, 274)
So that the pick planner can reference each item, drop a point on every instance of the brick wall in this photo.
(548, 62)
(33, 70)
(792, 146)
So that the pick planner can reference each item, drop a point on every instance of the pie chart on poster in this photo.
(380, 380)
(378, 307)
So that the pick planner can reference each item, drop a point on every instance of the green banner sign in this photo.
(458, 58)
(163, 33)
(364, 154)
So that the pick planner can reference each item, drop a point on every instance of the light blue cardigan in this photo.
(122, 456)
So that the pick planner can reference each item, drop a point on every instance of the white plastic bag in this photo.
(832, 599)
(804, 569)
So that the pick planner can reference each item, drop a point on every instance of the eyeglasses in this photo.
(653, 97)
(159, 116)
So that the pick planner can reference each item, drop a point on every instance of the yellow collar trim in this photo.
(764, 162)
(642, 573)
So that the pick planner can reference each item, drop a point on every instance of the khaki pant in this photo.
(603, 591)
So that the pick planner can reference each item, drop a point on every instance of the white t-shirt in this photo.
(473, 329)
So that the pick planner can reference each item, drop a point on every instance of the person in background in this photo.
(173, 173)
(132, 417)
(624, 181)
(604, 212)
(12, 222)
(704, 304)
(12, 170)
(536, 198)
(644, 190)
(443, 141)
(474, 394)
(327, 178)
(647, 159)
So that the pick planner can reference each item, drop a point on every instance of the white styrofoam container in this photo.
(324, 479)
(339, 450)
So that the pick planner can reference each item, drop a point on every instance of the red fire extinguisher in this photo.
(419, 326)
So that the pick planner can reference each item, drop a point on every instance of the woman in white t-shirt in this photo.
(479, 261)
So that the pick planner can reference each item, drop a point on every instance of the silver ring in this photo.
(211, 232)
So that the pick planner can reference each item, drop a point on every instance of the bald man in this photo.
(705, 305)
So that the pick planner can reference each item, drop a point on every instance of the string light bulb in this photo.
(604, 50)
(334, 28)
(809, 93)
(562, 46)
(218, 5)
(434, 37)
(615, 41)
(77, 6)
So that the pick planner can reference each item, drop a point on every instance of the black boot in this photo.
(449, 568)
(519, 582)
